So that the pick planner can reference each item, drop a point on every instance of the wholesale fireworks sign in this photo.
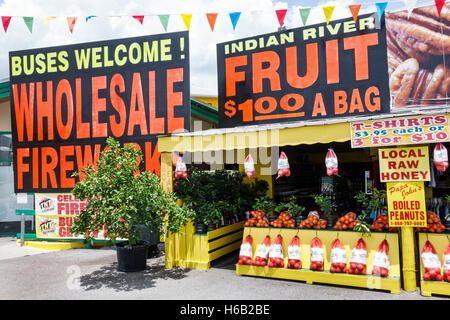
(320, 71)
(66, 100)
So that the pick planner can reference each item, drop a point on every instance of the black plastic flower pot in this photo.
(131, 258)
(211, 227)
(272, 218)
(200, 228)
(331, 221)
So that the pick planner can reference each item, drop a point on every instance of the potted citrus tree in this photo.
(119, 198)
(266, 205)
(326, 206)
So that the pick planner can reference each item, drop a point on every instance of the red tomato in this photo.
(438, 277)
(426, 276)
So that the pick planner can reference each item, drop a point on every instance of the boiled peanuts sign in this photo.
(404, 164)
(405, 170)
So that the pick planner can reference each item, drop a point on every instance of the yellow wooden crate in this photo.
(439, 242)
(194, 250)
(348, 239)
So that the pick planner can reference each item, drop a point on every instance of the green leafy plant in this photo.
(221, 189)
(119, 197)
(292, 207)
(325, 204)
(265, 204)
(367, 205)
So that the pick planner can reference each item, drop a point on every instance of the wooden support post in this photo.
(166, 184)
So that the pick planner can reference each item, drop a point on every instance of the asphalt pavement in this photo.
(90, 274)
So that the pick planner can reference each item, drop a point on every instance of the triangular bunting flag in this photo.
(410, 5)
(281, 14)
(211, 19)
(71, 22)
(164, 18)
(354, 9)
(380, 8)
(187, 20)
(234, 16)
(439, 5)
(304, 13)
(47, 20)
(328, 11)
(5, 22)
(139, 18)
(29, 23)
(89, 17)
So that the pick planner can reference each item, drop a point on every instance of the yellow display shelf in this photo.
(439, 242)
(347, 238)
(52, 245)
(192, 250)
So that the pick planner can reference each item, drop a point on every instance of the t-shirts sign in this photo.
(66, 100)
(313, 72)
(404, 164)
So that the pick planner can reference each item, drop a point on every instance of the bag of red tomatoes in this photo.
(245, 253)
(440, 157)
(262, 253)
(180, 169)
(431, 263)
(338, 257)
(294, 258)
(331, 162)
(283, 166)
(447, 263)
(276, 256)
(381, 262)
(249, 166)
(358, 258)
(317, 254)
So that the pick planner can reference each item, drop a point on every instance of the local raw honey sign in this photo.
(66, 100)
(314, 72)
(406, 204)
(404, 164)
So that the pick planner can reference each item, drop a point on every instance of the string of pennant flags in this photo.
(234, 16)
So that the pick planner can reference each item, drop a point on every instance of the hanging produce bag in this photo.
(381, 260)
(249, 166)
(262, 253)
(180, 169)
(317, 254)
(447, 263)
(358, 258)
(276, 256)
(440, 157)
(245, 253)
(338, 257)
(431, 263)
(331, 163)
(294, 258)
(283, 166)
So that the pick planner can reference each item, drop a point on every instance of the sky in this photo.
(114, 21)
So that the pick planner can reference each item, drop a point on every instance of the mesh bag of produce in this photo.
(317, 254)
(294, 258)
(249, 166)
(381, 260)
(276, 256)
(262, 253)
(440, 157)
(331, 163)
(283, 166)
(180, 169)
(245, 253)
(358, 258)
(338, 257)
(431, 263)
(447, 263)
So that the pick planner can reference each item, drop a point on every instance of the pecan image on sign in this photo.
(418, 56)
